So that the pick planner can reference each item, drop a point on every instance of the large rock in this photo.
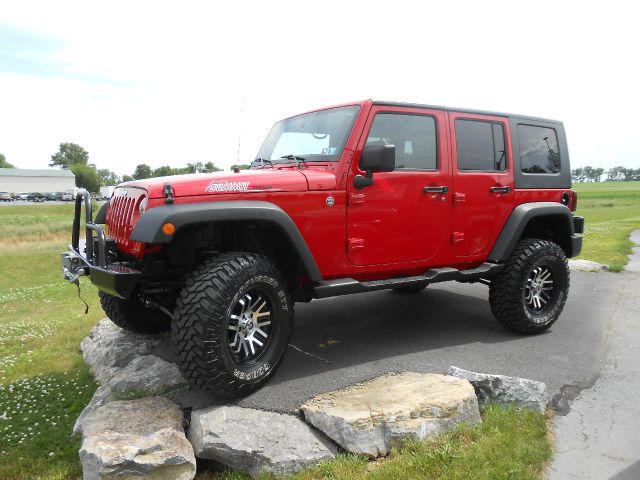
(508, 391)
(136, 439)
(587, 265)
(101, 396)
(255, 441)
(109, 348)
(148, 373)
(374, 417)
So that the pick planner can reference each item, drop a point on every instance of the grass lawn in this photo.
(44, 383)
(611, 211)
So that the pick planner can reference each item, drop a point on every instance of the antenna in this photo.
(240, 130)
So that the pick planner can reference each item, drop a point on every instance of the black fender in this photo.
(522, 215)
(149, 227)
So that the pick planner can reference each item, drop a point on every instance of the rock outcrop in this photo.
(372, 418)
(136, 439)
(508, 391)
(587, 265)
(255, 441)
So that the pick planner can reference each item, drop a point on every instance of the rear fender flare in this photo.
(149, 227)
(518, 221)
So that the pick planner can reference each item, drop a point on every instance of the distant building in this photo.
(17, 180)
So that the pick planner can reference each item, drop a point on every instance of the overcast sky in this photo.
(165, 82)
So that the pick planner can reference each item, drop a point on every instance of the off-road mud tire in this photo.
(507, 290)
(133, 316)
(202, 319)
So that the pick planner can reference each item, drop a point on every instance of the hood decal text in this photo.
(224, 186)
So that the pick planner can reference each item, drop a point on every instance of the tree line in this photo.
(615, 174)
(73, 157)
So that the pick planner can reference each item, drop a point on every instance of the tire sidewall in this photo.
(282, 308)
(558, 268)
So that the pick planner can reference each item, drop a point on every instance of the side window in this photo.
(538, 149)
(480, 145)
(414, 137)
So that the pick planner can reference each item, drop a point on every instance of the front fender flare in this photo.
(149, 227)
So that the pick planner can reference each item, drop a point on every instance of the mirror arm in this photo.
(359, 182)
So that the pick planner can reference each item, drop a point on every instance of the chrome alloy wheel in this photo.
(539, 290)
(250, 328)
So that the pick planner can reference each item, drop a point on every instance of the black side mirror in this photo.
(375, 158)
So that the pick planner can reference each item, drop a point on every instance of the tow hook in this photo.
(73, 278)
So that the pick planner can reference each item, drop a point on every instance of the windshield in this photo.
(315, 137)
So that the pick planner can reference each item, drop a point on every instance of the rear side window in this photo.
(480, 145)
(414, 137)
(538, 149)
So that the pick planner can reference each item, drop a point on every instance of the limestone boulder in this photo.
(255, 441)
(148, 373)
(587, 265)
(374, 417)
(136, 439)
(109, 348)
(508, 391)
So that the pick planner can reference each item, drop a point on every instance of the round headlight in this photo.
(143, 206)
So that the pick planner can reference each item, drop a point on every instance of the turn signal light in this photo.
(168, 228)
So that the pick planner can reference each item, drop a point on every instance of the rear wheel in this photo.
(529, 294)
(133, 316)
(232, 324)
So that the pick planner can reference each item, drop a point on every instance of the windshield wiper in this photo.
(261, 162)
(298, 159)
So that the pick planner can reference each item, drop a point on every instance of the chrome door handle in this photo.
(506, 189)
(443, 189)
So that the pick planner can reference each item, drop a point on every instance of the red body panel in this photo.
(392, 228)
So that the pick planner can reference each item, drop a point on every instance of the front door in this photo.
(405, 215)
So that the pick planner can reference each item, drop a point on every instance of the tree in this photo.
(107, 177)
(163, 171)
(4, 163)
(142, 171)
(127, 178)
(68, 155)
(615, 173)
(86, 177)
(597, 174)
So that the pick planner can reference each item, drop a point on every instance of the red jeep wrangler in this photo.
(353, 198)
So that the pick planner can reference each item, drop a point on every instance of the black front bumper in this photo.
(90, 257)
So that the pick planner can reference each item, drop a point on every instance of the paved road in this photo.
(341, 341)
(599, 438)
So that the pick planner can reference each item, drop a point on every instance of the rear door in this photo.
(405, 215)
(482, 193)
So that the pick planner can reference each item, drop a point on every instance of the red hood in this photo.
(247, 181)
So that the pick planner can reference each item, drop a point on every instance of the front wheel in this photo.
(529, 294)
(232, 324)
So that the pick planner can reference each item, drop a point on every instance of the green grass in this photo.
(611, 211)
(509, 444)
(43, 379)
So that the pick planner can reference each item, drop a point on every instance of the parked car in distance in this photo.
(67, 196)
(36, 197)
(5, 197)
(22, 196)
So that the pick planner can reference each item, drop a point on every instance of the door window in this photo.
(414, 137)
(480, 146)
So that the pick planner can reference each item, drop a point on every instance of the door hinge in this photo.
(457, 237)
(356, 243)
(356, 199)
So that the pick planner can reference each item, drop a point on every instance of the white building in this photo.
(17, 180)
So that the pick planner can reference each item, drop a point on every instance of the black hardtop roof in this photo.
(465, 110)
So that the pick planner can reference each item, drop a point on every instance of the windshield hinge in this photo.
(168, 193)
